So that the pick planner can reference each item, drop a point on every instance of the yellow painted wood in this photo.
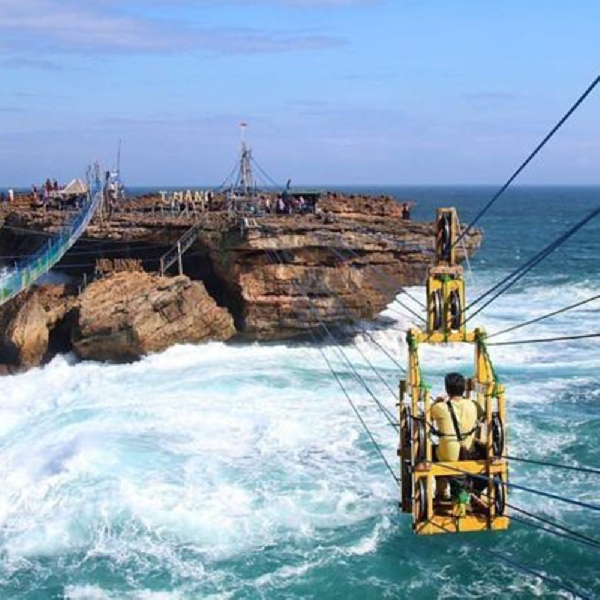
(473, 523)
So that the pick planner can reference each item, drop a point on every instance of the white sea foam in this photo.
(223, 451)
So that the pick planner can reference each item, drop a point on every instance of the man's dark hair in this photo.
(455, 384)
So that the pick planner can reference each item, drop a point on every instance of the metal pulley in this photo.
(497, 435)
(456, 312)
(444, 237)
(437, 310)
(421, 501)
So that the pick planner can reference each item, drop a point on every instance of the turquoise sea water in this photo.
(239, 471)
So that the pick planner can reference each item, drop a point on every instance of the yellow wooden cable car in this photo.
(479, 500)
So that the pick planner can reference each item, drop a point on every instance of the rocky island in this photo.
(147, 275)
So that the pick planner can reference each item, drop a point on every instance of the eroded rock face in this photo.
(24, 338)
(129, 315)
(28, 322)
(280, 276)
(292, 275)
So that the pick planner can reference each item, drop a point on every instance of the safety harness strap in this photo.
(459, 436)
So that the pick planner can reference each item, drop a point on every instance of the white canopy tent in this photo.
(75, 188)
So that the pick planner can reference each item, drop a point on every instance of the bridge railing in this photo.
(29, 270)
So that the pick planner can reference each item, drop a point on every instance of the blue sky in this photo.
(334, 91)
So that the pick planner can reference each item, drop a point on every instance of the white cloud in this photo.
(34, 27)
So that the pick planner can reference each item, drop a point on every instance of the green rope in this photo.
(483, 346)
(413, 345)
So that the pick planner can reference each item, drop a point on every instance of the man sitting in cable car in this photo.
(456, 420)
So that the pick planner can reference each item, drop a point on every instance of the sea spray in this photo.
(239, 471)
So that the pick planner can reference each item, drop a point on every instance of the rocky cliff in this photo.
(287, 274)
(119, 318)
(261, 277)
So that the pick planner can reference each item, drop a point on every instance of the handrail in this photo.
(181, 247)
(28, 271)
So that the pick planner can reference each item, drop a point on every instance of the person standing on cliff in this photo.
(406, 211)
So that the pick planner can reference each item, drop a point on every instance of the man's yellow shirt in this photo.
(467, 415)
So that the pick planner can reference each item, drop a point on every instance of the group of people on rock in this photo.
(285, 204)
(42, 194)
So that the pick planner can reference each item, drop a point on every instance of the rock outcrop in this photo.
(278, 276)
(32, 323)
(128, 315)
(24, 338)
(292, 274)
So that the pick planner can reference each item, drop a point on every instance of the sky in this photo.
(334, 91)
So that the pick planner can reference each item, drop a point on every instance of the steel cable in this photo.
(336, 344)
(529, 490)
(524, 568)
(357, 413)
(572, 534)
(529, 158)
(519, 273)
(545, 340)
(350, 401)
(544, 317)
(542, 463)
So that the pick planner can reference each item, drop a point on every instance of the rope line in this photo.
(573, 535)
(552, 532)
(524, 568)
(415, 300)
(542, 463)
(463, 243)
(540, 255)
(547, 578)
(529, 158)
(544, 340)
(265, 174)
(362, 329)
(519, 273)
(384, 350)
(379, 288)
(410, 310)
(388, 415)
(544, 317)
(345, 391)
(357, 413)
(529, 490)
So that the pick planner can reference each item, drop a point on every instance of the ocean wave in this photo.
(220, 469)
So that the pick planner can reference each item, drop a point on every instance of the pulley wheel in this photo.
(444, 236)
(499, 496)
(497, 435)
(421, 438)
(421, 501)
(437, 309)
(455, 310)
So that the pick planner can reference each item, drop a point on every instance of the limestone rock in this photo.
(35, 326)
(292, 274)
(24, 331)
(351, 257)
(128, 315)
